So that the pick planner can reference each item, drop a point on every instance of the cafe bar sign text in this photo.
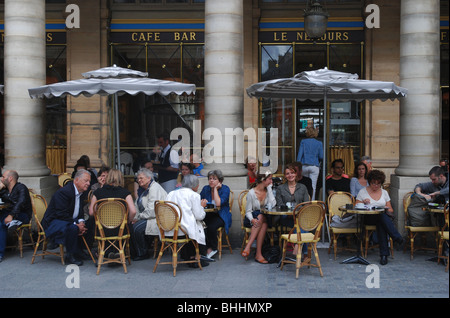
(157, 37)
(157, 31)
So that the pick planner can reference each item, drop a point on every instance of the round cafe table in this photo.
(360, 213)
(277, 211)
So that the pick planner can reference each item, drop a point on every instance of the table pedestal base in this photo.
(356, 260)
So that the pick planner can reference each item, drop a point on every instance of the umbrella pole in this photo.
(324, 161)
(116, 123)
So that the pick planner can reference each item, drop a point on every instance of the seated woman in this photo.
(113, 188)
(144, 224)
(291, 192)
(376, 196)
(185, 169)
(218, 194)
(359, 181)
(259, 196)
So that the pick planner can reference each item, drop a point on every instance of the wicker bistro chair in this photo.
(412, 231)
(221, 231)
(112, 214)
(168, 217)
(64, 178)
(443, 236)
(242, 200)
(309, 217)
(336, 200)
(39, 207)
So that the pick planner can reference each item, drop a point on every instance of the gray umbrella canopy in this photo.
(109, 81)
(115, 81)
(333, 85)
(329, 86)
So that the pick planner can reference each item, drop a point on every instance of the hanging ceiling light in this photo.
(316, 20)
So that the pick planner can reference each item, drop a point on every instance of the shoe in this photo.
(83, 255)
(245, 254)
(13, 225)
(399, 244)
(211, 254)
(383, 260)
(261, 261)
(1, 259)
(70, 259)
(140, 258)
(51, 245)
(206, 258)
(195, 265)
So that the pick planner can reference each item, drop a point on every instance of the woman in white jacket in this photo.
(193, 213)
(145, 221)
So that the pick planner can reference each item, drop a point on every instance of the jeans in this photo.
(385, 227)
(22, 217)
(313, 173)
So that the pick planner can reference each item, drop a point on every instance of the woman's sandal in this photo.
(245, 254)
(261, 261)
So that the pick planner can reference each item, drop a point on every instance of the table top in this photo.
(435, 209)
(216, 209)
(4, 205)
(374, 210)
(277, 211)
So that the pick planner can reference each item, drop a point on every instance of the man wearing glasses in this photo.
(337, 182)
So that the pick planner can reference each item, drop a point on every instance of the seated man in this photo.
(63, 221)
(434, 191)
(337, 181)
(306, 181)
(193, 213)
(19, 210)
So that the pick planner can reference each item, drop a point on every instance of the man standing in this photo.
(168, 167)
(19, 211)
(337, 182)
(63, 221)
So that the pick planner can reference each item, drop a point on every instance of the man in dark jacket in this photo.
(17, 206)
(63, 221)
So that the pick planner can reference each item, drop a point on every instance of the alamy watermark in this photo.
(227, 146)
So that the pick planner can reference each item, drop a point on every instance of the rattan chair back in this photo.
(39, 205)
(231, 199)
(338, 199)
(406, 203)
(309, 216)
(63, 178)
(242, 200)
(167, 216)
(111, 213)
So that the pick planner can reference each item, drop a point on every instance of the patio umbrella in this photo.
(115, 81)
(326, 85)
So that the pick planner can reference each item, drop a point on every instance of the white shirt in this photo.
(363, 194)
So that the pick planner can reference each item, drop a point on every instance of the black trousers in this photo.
(213, 222)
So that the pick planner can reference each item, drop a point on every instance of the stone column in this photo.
(224, 98)
(420, 73)
(24, 68)
(224, 78)
(419, 112)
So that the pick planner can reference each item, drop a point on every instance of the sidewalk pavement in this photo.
(229, 278)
